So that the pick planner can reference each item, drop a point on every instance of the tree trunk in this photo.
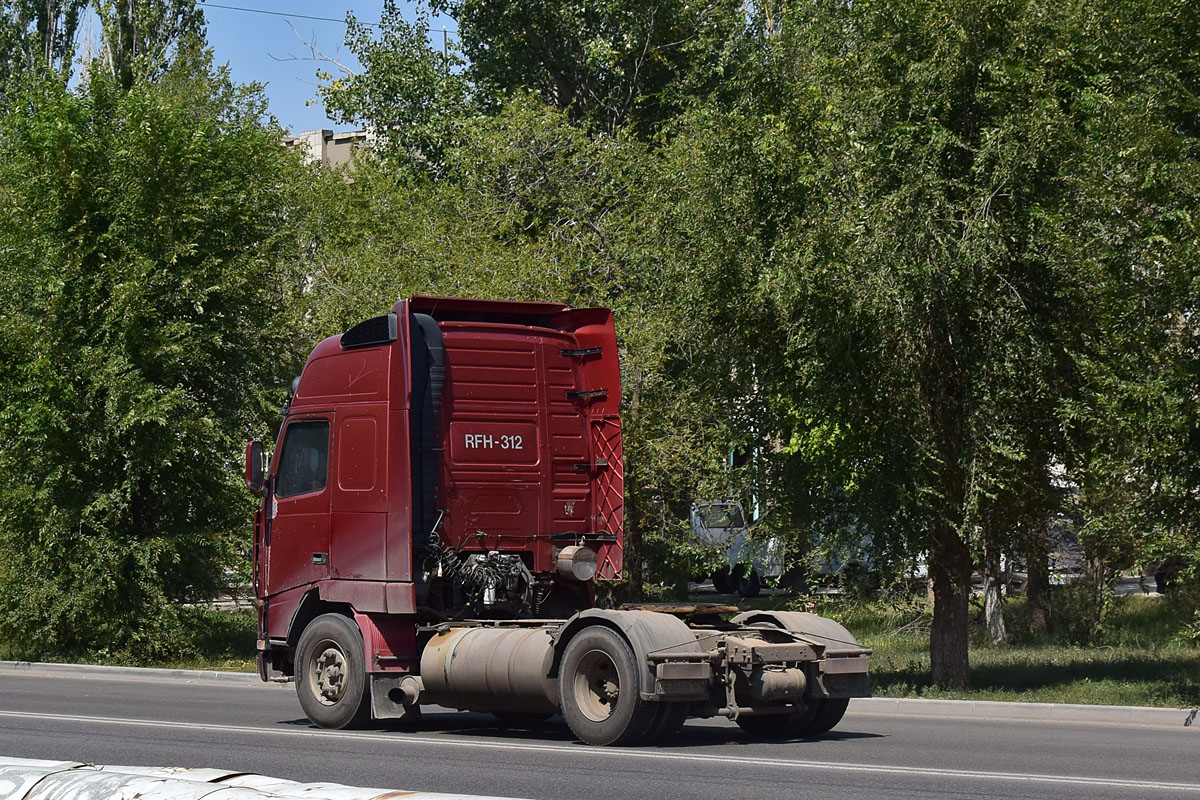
(128, 44)
(47, 25)
(950, 568)
(632, 553)
(944, 386)
(1037, 586)
(993, 604)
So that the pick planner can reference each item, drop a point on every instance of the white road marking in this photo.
(617, 752)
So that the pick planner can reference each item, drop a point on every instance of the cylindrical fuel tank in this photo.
(774, 686)
(490, 669)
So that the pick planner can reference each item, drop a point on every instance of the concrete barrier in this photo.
(33, 779)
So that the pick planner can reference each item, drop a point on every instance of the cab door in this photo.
(298, 547)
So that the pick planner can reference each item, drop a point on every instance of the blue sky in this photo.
(263, 47)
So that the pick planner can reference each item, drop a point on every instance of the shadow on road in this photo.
(555, 731)
(710, 735)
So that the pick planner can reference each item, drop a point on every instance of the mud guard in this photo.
(843, 671)
(648, 632)
(822, 630)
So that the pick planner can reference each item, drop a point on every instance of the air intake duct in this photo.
(428, 379)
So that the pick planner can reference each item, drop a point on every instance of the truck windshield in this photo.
(721, 517)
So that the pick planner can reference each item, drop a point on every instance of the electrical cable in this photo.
(290, 15)
(283, 14)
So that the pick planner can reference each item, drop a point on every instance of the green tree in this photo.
(887, 250)
(611, 63)
(143, 257)
(413, 98)
(140, 36)
(37, 35)
(882, 223)
(1133, 231)
(521, 205)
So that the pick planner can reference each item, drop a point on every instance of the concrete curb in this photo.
(1035, 712)
(142, 673)
(964, 709)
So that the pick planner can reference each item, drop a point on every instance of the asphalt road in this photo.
(258, 728)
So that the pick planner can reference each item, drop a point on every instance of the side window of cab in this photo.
(304, 459)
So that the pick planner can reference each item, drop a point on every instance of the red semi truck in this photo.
(446, 492)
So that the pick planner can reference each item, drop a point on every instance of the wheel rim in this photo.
(329, 673)
(597, 686)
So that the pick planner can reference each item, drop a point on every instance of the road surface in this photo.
(255, 727)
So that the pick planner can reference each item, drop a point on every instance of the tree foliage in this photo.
(412, 97)
(138, 37)
(883, 232)
(612, 64)
(1133, 232)
(37, 36)
(143, 259)
(530, 206)
(925, 265)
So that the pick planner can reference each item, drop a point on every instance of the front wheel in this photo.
(723, 581)
(748, 583)
(598, 689)
(331, 676)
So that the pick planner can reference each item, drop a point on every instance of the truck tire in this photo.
(331, 676)
(722, 581)
(667, 722)
(598, 689)
(747, 581)
(829, 713)
(780, 726)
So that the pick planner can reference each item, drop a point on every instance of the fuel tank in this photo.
(490, 669)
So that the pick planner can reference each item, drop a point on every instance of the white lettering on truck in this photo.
(486, 441)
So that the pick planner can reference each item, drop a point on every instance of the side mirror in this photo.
(256, 467)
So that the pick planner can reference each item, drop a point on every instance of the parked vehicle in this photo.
(721, 525)
(447, 491)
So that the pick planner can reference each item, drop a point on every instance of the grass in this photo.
(208, 639)
(1139, 660)
(222, 640)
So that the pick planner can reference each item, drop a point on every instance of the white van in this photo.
(722, 524)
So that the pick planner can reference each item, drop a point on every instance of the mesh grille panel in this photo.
(376, 330)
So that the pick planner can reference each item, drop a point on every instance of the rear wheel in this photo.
(791, 725)
(667, 721)
(598, 689)
(828, 714)
(331, 676)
